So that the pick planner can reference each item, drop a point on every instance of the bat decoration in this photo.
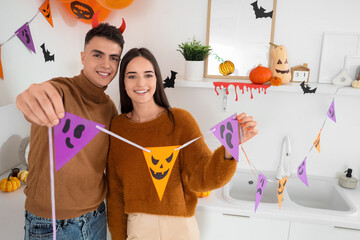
(306, 88)
(260, 12)
(47, 55)
(170, 83)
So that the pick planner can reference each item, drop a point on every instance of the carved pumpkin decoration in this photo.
(280, 65)
(203, 194)
(226, 68)
(275, 81)
(84, 10)
(9, 184)
(260, 75)
(22, 175)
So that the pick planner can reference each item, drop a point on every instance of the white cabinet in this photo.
(215, 226)
(301, 231)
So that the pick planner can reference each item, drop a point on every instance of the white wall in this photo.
(161, 25)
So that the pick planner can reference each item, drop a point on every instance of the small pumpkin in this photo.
(22, 175)
(203, 194)
(275, 81)
(9, 184)
(260, 74)
(226, 68)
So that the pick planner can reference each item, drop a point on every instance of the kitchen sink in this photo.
(323, 194)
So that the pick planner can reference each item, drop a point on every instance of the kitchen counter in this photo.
(216, 202)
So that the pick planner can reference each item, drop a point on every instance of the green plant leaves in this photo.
(193, 50)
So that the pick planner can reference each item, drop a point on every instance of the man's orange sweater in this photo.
(131, 189)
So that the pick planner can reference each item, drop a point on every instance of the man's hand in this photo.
(41, 104)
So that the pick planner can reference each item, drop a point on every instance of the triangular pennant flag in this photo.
(160, 162)
(331, 111)
(227, 132)
(317, 142)
(71, 135)
(1, 69)
(260, 189)
(25, 36)
(46, 12)
(280, 189)
(301, 172)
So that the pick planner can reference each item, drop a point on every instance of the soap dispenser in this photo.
(348, 181)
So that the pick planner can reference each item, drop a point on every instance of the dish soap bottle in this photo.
(348, 181)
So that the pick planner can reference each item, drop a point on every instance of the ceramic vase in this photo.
(194, 70)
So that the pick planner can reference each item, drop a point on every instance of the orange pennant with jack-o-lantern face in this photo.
(46, 11)
(160, 162)
(280, 189)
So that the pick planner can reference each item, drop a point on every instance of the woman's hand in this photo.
(248, 127)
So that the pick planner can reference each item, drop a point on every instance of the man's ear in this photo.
(82, 58)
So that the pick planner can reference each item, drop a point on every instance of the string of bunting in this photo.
(24, 32)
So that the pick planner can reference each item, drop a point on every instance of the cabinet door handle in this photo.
(346, 228)
(235, 215)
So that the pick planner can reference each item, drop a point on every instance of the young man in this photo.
(80, 185)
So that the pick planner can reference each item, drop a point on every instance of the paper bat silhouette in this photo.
(260, 12)
(170, 83)
(47, 55)
(306, 88)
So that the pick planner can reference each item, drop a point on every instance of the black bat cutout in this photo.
(170, 83)
(260, 12)
(47, 55)
(306, 88)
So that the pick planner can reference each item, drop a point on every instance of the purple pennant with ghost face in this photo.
(25, 36)
(260, 189)
(227, 132)
(301, 172)
(71, 135)
(331, 111)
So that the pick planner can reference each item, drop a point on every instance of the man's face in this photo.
(101, 58)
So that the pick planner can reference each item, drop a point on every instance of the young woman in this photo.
(135, 210)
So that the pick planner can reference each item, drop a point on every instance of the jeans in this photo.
(90, 226)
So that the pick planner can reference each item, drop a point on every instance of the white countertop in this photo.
(216, 202)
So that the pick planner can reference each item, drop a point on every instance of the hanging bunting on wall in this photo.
(46, 12)
(24, 35)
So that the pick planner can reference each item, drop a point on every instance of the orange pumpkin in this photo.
(275, 81)
(203, 194)
(84, 10)
(260, 75)
(226, 68)
(9, 184)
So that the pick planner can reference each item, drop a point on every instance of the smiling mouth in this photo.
(104, 74)
(159, 175)
(282, 72)
(143, 91)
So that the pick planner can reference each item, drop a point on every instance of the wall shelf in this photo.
(323, 88)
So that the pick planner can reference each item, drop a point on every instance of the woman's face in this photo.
(140, 81)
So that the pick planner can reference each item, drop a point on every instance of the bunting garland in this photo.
(24, 32)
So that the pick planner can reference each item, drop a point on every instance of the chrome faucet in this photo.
(284, 164)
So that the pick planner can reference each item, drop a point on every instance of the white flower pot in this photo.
(194, 70)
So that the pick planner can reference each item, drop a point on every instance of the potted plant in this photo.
(194, 53)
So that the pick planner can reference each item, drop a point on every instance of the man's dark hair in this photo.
(107, 31)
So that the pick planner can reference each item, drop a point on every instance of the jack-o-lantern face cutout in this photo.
(46, 11)
(160, 167)
(281, 188)
(280, 67)
(160, 162)
(84, 10)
